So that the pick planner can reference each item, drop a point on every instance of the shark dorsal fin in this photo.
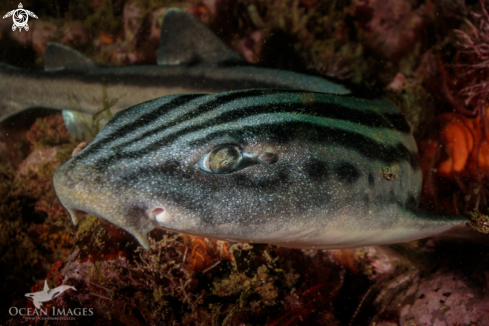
(59, 57)
(186, 40)
(46, 287)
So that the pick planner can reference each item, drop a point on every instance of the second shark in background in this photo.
(191, 59)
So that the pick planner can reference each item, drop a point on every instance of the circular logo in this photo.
(20, 17)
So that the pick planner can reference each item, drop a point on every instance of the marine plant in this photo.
(185, 280)
(34, 229)
(455, 155)
(471, 67)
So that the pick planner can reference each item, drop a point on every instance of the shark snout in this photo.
(82, 190)
(72, 194)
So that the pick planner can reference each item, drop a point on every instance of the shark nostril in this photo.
(158, 211)
(161, 215)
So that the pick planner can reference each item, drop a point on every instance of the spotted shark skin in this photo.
(309, 172)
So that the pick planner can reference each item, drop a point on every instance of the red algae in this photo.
(48, 132)
(259, 285)
(471, 71)
(35, 229)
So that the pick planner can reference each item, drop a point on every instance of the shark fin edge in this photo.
(141, 234)
(60, 57)
(185, 40)
(46, 287)
(75, 217)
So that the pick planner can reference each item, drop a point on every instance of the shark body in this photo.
(191, 59)
(47, 294)
(270, 156)
(291, 168)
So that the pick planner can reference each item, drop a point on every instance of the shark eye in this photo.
(223, 159)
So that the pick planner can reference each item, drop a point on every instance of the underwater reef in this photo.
(431, 57)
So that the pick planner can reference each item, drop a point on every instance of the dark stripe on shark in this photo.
(286, 131)
(168, 77)
(318, 109)
(290, 130)
(99, 143)
(146, 118)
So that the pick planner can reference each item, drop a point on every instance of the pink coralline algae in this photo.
(390, 28)
(453, 293)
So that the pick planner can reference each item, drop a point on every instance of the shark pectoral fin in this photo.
(80, 124)
(76, 215)
(59, 57)
(141, 233)
(184, 39)
(143, 240)
(46, 287)
(74, 218)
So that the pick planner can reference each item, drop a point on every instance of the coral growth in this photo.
(437, 293)
(471, 68)
(48, 132)
(287, 34)
(455, 155)
(389, 28)
(35, 228)
(186, 280)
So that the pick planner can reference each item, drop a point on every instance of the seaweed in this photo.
(454, 155)
(35, 228)
(259, 285)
